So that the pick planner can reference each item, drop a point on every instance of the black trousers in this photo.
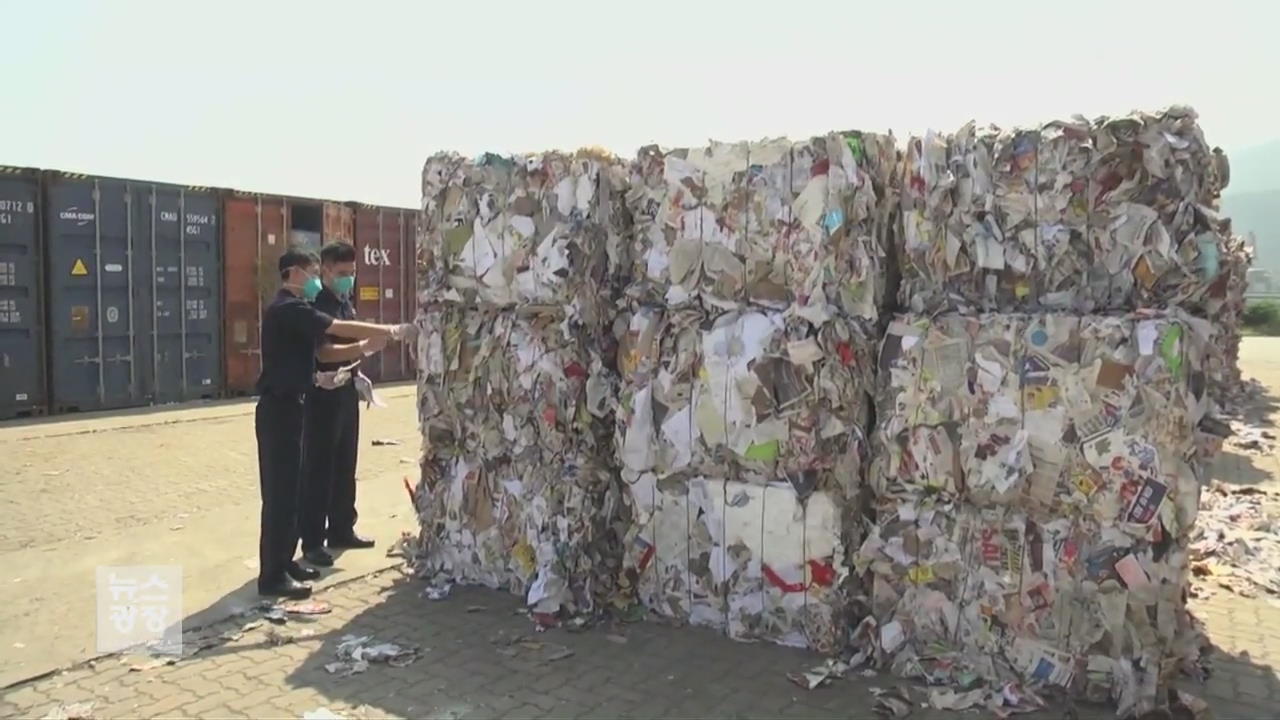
(331, 442)
(278, 423)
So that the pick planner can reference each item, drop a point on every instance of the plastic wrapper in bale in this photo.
(774, 224)
(1036, 481)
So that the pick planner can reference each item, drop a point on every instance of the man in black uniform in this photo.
(332, 430)
(293, 336)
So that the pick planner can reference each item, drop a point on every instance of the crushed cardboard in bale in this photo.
(802, 226)
(518, 488)
(745, 362)
(537, 230)
(741, 447)
(1037, 482)
(516, 390)
(1116, 214)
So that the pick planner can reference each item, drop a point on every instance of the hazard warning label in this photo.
(79, 268)
(368, 293)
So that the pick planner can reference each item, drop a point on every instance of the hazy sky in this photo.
(345, 100)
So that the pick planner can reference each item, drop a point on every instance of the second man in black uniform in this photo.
(332, 430)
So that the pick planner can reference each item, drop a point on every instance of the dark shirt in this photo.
(292, 330)
(339, 308)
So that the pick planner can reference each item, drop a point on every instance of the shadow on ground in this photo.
(481, 658)
(1238, 686)
(1235, 468)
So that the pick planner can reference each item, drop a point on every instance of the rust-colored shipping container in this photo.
(386, 250)
(339, 223)
(411, 285)
(257, 230)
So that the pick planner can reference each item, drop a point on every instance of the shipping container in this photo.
(410, 281)
(22, 375)
(133, 276)
(257, 229)
(339, 223)
(385, 237)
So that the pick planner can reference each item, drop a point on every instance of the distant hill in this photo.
(1252, 200)
(1259, 213)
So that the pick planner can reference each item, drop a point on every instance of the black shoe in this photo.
(302, 574)
(285, 587)
(350, 542)
(319, 558)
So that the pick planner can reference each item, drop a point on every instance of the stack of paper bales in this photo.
(515, 386)
(1074, 310)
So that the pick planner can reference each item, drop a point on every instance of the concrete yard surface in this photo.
(159, 487)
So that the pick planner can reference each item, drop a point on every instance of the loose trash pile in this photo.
(1236, 542)
(942, 409)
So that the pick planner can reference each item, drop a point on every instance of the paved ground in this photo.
(156, 487)
(112, 490)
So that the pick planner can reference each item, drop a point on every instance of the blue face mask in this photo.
(343, 285)
(311, 288)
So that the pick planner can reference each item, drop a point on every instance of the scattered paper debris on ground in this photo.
(818, 676)
(356, 652)
(279, 637)
(323, 713)
(1234, 543)
(71, 711)
(405, 546)
(949, 699)
(438, 591)
(150, 664)
(1251, 438)
(308, 607)
(522, 646)
(893, 702)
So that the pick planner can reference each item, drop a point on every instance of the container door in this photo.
(94, 299)
(379, 251)
(186, 355)
(22, 388)
(339, 223)
(254, 236)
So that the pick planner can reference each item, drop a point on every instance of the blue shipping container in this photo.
(134, 275)
(22, 386)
